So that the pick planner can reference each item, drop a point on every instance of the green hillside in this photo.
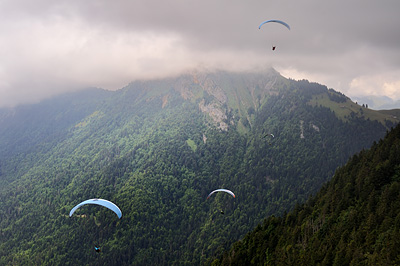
(353, 220)
(156, 149)
(346, 109)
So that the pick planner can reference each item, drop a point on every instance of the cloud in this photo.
(48, 47)
(40, 59)
(389, 84)
(45, 57)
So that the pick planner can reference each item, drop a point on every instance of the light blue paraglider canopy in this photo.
(277, 21)
(101, 202)
(221, 189)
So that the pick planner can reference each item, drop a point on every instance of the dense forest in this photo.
(156, 149)
(353, 220)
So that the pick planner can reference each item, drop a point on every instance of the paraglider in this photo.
(276, 21)
(224, 190)
(102, 202)
(221, 189)
(269, 135)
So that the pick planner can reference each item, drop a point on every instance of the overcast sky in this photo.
(53, 46)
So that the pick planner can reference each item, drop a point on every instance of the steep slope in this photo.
(353, 220)
(156, 149)
(32, 129)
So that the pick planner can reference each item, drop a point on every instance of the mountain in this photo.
(157, 148)
(353, 220)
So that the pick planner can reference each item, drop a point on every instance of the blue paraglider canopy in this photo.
(101, 202)
(277, 21)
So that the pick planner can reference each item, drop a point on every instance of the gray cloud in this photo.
(48, 47)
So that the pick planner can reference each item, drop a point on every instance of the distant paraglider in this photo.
(223, 190)
(276, 21)
(269, 135)
(101, 202)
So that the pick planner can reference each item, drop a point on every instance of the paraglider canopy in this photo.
(277, 21)
(97, 249)
(221, 189)
(101, 202)
(269, 135)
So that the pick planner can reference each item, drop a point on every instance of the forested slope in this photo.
(156, 149)
(353, 220)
